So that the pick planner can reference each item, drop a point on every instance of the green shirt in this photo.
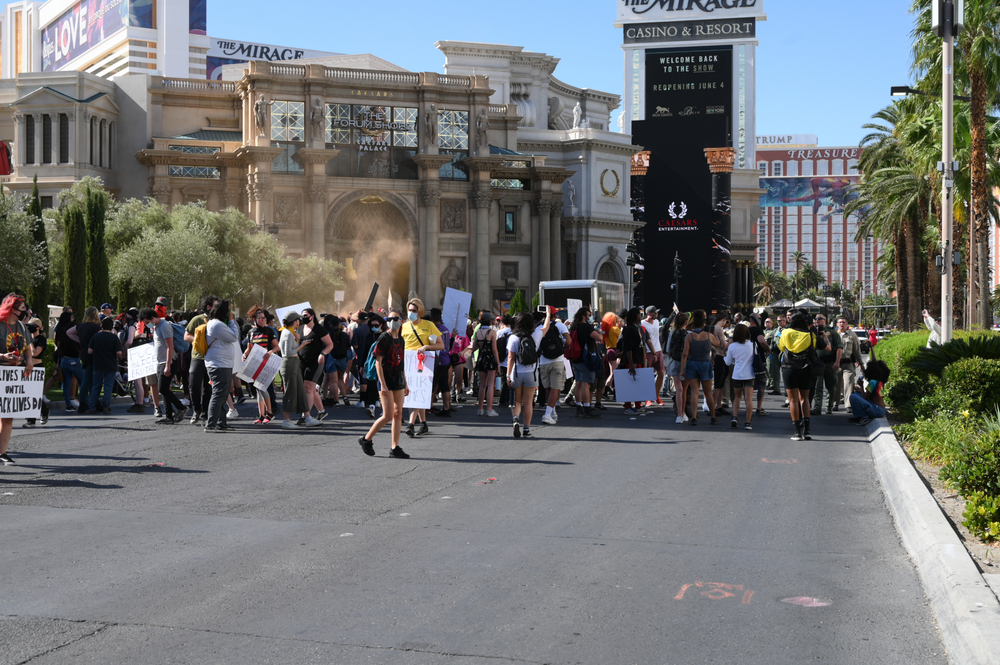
(829, 356)
(196, 321)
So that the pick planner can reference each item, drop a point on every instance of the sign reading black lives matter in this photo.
(20, 395)
(689, 106)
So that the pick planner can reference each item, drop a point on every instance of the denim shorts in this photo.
(583, 374)
(335, 365)
(699, 370)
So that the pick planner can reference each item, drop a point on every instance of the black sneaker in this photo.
(409, 431)
(195, 418)
(164, 420)
(517, 430)
(526, 433)
(600, 407)
(865, 421)
(179, 416)
(748, 427)
(734, 424)
(694, 422)
(721, 411)
(29, 424)
(107, 410)
(7, 461)
(423, 430)
(322, 415)
(444, 413)
(241, 399)
(300, 422)
(136, 408)
(714, 421)
(856, 420)
(367, 446)
(398, 452)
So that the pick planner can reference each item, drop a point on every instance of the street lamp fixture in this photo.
(904, 90)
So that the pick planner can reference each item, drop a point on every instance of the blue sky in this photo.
(824, 67)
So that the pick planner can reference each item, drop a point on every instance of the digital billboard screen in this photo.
(834, 191)
(88, 23)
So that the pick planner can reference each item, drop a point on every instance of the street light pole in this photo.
(947, 9)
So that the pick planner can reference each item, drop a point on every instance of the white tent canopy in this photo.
(806, 302)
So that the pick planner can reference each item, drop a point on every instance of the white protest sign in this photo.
(259, 371)
(569, 367)
(338, 296)
(572, 307)
(455, 310)
(641, 388)
(281, 311)
(420, 382)
(237, 359)
(20, 396)
(141, 361)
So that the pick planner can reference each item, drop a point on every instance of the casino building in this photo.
(489, 177)
(806, 187)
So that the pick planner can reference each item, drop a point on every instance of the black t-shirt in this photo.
(106, 346)
(583, 335)
(309, 354)
(67, 348)
(40, 342)
(362, 342)
(86, 332)
(755, 334)
(632, 341)
(263, 337)
(392, 351)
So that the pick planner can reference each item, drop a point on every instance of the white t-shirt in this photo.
(500, 335)
(740, 356)
(654, 333)
(514, 344)
(563, 330)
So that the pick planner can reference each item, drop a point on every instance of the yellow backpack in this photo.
(201, 345)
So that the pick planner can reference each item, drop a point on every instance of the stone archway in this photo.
(372, 235)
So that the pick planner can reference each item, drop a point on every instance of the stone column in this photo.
(482, 199)
(544, 249)
(535, 253)
(720, 162)
(555, 241)
(19, 134)
(37, 161)
(71, 137)
(314, 161)
(259, 192)
(430, 204)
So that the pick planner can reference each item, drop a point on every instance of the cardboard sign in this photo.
(141, 361)
(20, 395)
(642, 388)
(455, 310)
(573, 306)
(257, 370)
(419, 381)
(281, 311)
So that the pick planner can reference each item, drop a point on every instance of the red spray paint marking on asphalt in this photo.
(717, 591)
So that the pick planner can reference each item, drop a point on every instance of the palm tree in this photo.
(798, 258)
(767, 280)
(977, 70)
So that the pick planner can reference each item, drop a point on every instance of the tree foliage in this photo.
(21, 259)
(38, 293)
(75, 257)
(98, 290)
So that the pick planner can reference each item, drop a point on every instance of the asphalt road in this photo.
(611, 541)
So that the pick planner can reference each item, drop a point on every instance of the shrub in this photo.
(982, 515)
(977, 467)
(896, 351)
(941, 439)
(974, 383)
(935, 359)
(905, 392)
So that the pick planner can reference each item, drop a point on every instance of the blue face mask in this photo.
(413, 316)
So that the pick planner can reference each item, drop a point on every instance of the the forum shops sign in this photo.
(631, 11)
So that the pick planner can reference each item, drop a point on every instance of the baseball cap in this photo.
(651, 310)
(106, 305)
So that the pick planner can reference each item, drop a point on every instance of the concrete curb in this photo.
(967, 610)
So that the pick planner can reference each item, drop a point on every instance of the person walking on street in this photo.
(654, 351)
(163, 342)
(105, 350)
(830, 359)
(222, 334)
(390, 363)
(82, 333)
(68, 351)
(522, 366)
(201, 391)
(740, 356)
(850, 359)
(772, 334)
(40, 346)
(422, 336)
(368, 330)
(674, 353)
(552, 368)
(294, 399)
(696, 365)
(313, 357)
(721, 371)
(485, 344)
(798, 344)
(17, 351)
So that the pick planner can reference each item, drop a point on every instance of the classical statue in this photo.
(621, 122)
(431, 124)
(260, 112)
(316, 115)
(572, 193)
(577, 114)
(482, 124)
(451, 277)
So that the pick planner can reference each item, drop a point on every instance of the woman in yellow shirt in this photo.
(419, 335)
(796, 370)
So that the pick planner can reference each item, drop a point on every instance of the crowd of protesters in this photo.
(531, 361)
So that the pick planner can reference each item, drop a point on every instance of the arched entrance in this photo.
(372, 237)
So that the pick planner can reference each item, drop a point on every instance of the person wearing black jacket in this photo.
(370, 326)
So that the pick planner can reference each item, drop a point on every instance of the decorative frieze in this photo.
(287, 211)
(453, 216)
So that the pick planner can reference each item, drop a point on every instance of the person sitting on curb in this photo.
(869, 405)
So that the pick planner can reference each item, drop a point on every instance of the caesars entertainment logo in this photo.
(678, 219)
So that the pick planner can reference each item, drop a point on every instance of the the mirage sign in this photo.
(685, 10)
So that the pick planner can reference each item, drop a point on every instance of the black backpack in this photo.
(502, 346)
(677, 344)
(553, 345)
(527, 355)
(341, 342)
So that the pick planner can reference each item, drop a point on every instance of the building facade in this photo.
(806, 187)
(489, 181)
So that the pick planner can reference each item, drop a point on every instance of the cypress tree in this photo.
(38, 294)
(98, 281)
(517, 303)
(76, 260)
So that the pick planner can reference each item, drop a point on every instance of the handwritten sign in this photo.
(455, 310)
(141, 361)
(281, 311)
(258, 370)
(573, 306)
(20, 395)
(642, 388)
(419, 381)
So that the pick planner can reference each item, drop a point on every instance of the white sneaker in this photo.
(686, 419)
(680, 420)
(549, 420)
(185, 401)
(371, 410)
(704, 406)
(74, 403)
(359, 405)
(288, 424)
(157, 413)
(312, 422)
(479, 412)
(232, 414)
(145, 401)
(492, 414)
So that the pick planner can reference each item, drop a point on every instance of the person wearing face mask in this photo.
(17, 351)
(82, 333)
(390, 361)
(313, 356)
(294, 400)
(585, 374)
(419, 335)
(370, 326)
